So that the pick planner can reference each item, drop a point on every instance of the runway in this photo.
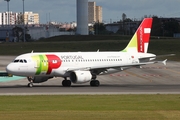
(150, 79)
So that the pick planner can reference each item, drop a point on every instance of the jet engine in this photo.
(80, 76)
(38, 79)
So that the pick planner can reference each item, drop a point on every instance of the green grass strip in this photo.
(80, 107)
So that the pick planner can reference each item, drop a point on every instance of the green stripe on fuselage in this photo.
(41, 62)
(44, 63)
(40, 58)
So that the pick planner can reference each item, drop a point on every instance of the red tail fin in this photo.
(140, 40)
(143, 35)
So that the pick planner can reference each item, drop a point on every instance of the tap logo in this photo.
(46, 63)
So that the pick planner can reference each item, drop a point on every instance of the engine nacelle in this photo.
(38, 79)
(80, 76)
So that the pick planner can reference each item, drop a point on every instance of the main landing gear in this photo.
(67, 83)
(95, 83)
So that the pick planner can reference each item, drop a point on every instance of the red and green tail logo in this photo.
(140, 40)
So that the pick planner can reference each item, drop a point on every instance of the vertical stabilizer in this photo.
(140, 40)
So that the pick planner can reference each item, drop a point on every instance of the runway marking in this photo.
(154, 67)
(154, 75)
(125, 75)
(121, 75)
(136, 75)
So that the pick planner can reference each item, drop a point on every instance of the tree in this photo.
(18, 33)
(99, 28)
(157, 27)
(127, 20)
(20, 19)
(124, 17)
(164, 27)
(171, 27)
(123, 21)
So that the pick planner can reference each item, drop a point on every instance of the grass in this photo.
(80, 107)
(156, 46)
(19, 48)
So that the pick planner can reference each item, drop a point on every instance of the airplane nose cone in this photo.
(10, 69)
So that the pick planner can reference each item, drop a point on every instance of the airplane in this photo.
(83, 67)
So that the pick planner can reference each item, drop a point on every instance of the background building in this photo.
(94, 12)
(99, 14)
(4, 18)
(16, 18)
(91, 12)
(31, 18)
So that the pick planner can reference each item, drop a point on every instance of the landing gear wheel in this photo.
(95, 83)
(30, 85)
(66, 83)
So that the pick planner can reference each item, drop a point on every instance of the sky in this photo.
(65, 10)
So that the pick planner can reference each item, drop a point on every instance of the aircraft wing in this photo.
(114, 66)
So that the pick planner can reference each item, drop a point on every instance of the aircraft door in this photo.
(36, 64)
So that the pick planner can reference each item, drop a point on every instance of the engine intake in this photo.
(80, 76)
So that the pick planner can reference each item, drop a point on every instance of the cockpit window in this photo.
(25, 61)
(20, 61)
(15, 61)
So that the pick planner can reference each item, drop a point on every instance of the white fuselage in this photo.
(31, 64)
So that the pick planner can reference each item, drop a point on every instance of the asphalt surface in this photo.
(150, 79)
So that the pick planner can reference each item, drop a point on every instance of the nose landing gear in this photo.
(30, 84)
